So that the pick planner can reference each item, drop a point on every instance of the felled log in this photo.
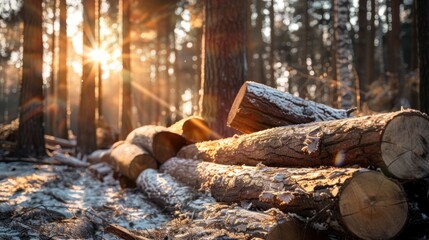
(396, 142)
(258, 107)
(69, 160)
(365, 199)
(171, 195)
(193, 129)
(100, 155)
(64, 143)
(100, 170)
(130, 160)
(157, 140)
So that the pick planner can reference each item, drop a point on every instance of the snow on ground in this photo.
(74, 192)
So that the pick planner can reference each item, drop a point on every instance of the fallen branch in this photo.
(123, 232)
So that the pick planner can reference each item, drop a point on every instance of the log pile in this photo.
(307, 164)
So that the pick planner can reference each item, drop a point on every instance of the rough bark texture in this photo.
(130, 160)
(30, 130)
(395, 142)
(258, 107)
(193, 129)
(162, 189)
(423, 35)
(86, 138)
(126, 126)
(347, 93)
(157, 140)
(314, 193)
(61, 116)
(224, 60)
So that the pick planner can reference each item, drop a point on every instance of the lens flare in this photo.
(339, 158)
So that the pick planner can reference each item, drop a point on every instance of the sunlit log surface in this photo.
(258, 107)
(366, 202)
(157, 140)
(193, 129)
(396, 142)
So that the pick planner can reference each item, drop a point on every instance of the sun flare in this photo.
(98, 55)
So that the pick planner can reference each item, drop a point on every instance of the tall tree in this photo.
(423, 35)
(370, 49)
(343, 52)
(86, 138)
(62, 92)
(224, 60)
(361, 44)
(31, 130)
(394, 53)
(126, 71)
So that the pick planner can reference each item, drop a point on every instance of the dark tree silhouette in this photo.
(423, 35)
(86, 140)
(31, 130)
(62, 92)
(224, 60)
(126, 76)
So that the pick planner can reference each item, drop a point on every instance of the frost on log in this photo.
(357, 198)
(258, 107)
(396, 142)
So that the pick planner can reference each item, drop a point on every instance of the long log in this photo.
(64, 143)
(396, 142)
(193, 129)
(258, 107)
(157, 140)
(365, 199)
(171, 195)
(130, 160)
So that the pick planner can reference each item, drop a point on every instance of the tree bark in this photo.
(193, 129)
(423, 35)
(130, 160)
(86, 138)
(224, 60)
(162, 189)
(325, 194)
(62, 122)
(157, 140)
(257, 107)
(31, 130)
(126, 126)
(347, 92)
(395, 142)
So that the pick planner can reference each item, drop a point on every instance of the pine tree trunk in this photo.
(362, 46)
(127, 125)
(423, 34)
(346, 195)
(258, 107)
(62, 122)
(347, 93)
(86, 138)
(31, 130)
(395, 142)
(224, 60)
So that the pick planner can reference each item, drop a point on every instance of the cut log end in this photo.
(236, 105)
(166, 145)
(196, 130)
(373, 211)
(405, 147)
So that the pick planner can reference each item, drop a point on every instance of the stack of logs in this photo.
(305, 163)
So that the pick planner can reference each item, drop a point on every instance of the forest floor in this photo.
(46, 201)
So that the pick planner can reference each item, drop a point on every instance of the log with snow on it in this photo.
(396, 142)
(193, 129)
(130, 160)
(172, 196)
(258, 107)
(157, 140)
(358, 198)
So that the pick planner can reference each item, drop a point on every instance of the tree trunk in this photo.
(423, 34)
(325, 194)
(224, 60)
(193, 129)
(257, 107)
(62, 122)
(347, 93)
(86, 138)
(157, 140)
(127, 125)
(370, 52)
(394, 54)
(361, 45)
(31, 130)
(130, 160)
(272, 82)
(395, 142)
(171, 195)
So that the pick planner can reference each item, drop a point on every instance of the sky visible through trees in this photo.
(291, 45)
